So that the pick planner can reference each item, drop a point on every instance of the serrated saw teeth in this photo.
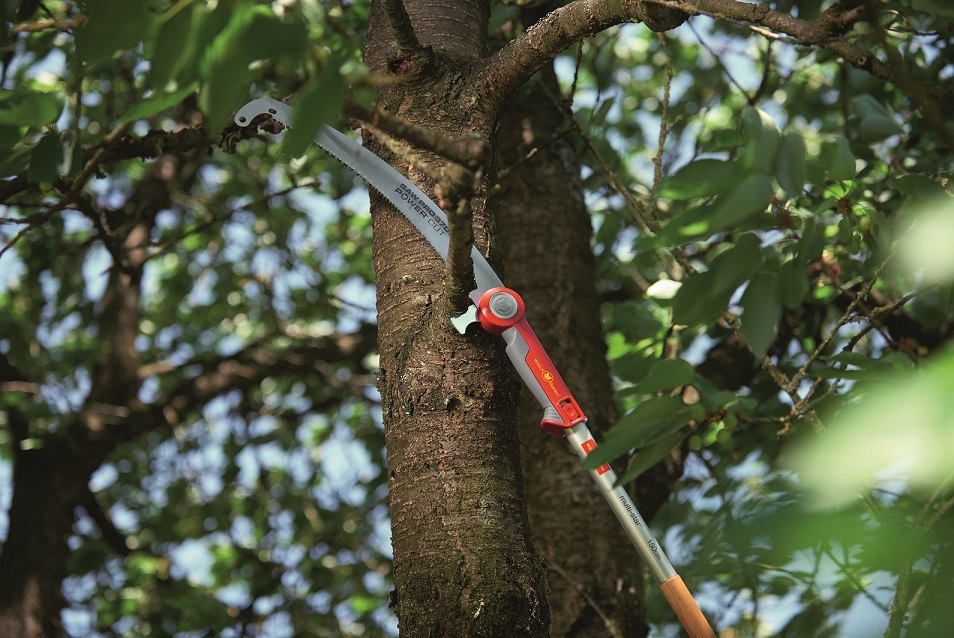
(399, 190)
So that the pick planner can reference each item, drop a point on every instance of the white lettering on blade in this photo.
(422, 208)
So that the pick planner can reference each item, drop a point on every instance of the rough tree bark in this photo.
(443, 400)
(48, 485)
(464, 562)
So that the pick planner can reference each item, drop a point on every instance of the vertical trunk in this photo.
(464, 563)
(49, 484)
(546, 238)
(51, 479)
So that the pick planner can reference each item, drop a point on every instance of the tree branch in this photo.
(821, 32)
(455, 199)
(110, 533)
(75, 190)
(157, 143)
(51, 24)
(512, 66)
(508, 69)
(401, 28)
(471, 152)
(454, 186)
(241, 371)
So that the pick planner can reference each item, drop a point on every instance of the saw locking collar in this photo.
(500, 311)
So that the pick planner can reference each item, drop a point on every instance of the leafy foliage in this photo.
(781, 350)
(263, 506)
(778, 293)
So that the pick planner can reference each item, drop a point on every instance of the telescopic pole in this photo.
(675, 591)
(501, 311)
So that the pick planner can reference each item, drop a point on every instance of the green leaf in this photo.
(924, 250)
(762, 312)
(704, 296)
(899, 429)
(699, 178)
(838, 159)
(747, 199)
(648, 457)
(45, 159)
(113, 25)
(599, 116)
(23, 107)
(172, 47)
(876, 122)
(253, 33)
(665, 374)
(15, 161)
(876, 128)
(711, 396)
(156, 103)
(224, 67)
(762, 139)
(934, 7)
(633, 366)
(320, 101)
(917, 186)
(650, 422)
(725, 140)
(866, 106)
(793, 284)
(810, 246)
(790, 169)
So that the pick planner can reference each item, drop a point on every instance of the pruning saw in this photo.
(500, 311)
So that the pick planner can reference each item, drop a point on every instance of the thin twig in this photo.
(926, 519)
(845, 318)
(52, 24)
(664, 127)
(853, 578)
(718, 61)
(76, 189)
(873, 317)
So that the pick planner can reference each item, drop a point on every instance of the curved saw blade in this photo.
(407, 198)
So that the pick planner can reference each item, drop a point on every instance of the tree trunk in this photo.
(595, 580)
(48, 486)
(51, 479)
(464, 562)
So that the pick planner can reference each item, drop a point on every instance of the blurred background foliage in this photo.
(773, 230)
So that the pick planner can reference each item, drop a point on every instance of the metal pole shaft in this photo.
(642, 538)
(622, 505)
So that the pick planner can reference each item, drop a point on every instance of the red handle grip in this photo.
(502, 309)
